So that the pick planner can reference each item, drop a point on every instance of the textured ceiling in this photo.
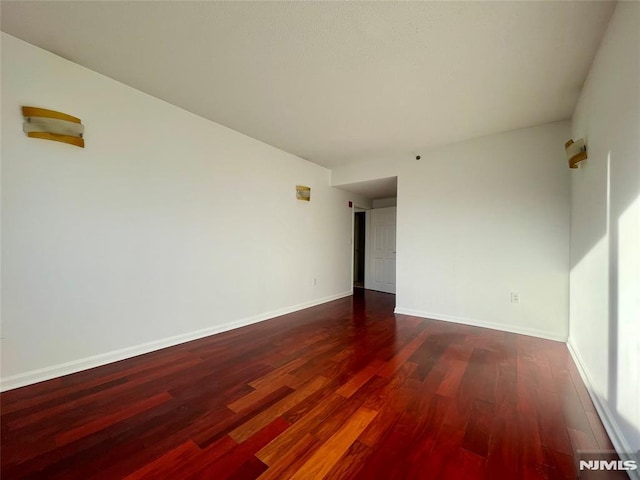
(334, 81)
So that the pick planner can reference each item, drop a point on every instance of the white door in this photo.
(382, 256)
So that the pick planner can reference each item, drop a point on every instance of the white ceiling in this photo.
(334, 81)
(374, 189)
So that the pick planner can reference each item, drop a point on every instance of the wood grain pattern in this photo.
(246, 430)
(345, 390)
(323, 460)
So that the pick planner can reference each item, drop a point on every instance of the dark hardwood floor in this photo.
(342, 390)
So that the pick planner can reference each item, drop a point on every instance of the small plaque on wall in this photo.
(303, 193)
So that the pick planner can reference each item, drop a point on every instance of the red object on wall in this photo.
(350, 204)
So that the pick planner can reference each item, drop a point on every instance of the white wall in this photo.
(605, 230)
(479, 219)
(164, 228)
(384, 202)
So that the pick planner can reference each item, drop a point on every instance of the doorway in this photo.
(374, 247)
(359, 246)
(373, 240)
(381, 261)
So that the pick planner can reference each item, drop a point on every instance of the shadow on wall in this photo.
(624, 331)
(611, 246)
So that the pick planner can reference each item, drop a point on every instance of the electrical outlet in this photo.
(515, 297)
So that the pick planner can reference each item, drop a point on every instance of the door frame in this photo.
(354, 210)
(368, 259)
(367, 253)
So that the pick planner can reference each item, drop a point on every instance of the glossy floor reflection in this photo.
(343, 390)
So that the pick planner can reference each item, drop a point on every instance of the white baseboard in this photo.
(608, 420)
(532, 332)
(42, 374)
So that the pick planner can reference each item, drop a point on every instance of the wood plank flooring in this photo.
(343, 390)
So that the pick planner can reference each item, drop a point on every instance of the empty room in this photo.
(320, 240)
